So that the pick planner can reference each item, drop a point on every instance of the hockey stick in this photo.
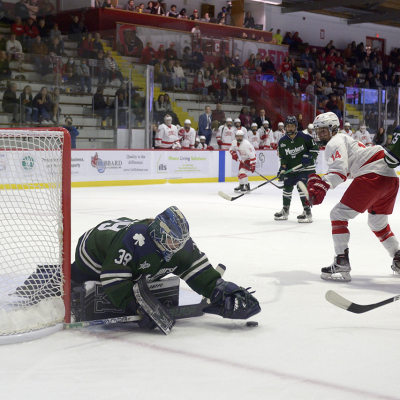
(230, 198)
(303, 188)
(177, 312)
(262, 176)
(347, 305)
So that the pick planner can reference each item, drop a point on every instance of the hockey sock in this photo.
(388, 240)
(302, 198)
(340, 235)
(287, 195)
(243, 179)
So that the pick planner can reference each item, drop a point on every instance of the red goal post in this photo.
(35, 232)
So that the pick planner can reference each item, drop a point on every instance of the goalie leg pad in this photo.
(232, 301)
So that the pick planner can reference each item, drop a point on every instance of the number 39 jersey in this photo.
(117, 252)
(348, 158)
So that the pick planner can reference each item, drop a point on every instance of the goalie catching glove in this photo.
(232, 301)
(317, 188)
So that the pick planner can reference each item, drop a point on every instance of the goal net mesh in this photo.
(31, 230)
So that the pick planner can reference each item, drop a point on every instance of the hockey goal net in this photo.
(35, 188)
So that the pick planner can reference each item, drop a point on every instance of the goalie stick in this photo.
(178, 312)
(347, 305)
(230, 198)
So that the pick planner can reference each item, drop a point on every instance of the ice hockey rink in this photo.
(303, 348)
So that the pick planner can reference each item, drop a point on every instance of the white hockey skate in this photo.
(396, 263)
(306, 217)
(339, 270)
(282, 215)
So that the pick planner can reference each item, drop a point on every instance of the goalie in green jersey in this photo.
(296, 148)
(118, 252)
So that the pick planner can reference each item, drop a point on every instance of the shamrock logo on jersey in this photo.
(144, 265)
(139, 239)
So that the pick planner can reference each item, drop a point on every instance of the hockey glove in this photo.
(232, 301)
(234, 155)
(317, 188)
(280, 172)
(219, 142)
(252, 167)
(274, 146)
(210, 148)
(306, 159)
(146, 322)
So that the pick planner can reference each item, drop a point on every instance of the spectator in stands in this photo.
(260, 120)
(175, 119)
(18, 29)
(86, 48)
(101, 106)
(182, 14)
(205, 124)
(149, 55)
(253, 114)
(221, 14)
(242, 88)
(198, 58)
(300, 122)
(194, 16)
(245, 118)
(129, 6)
(84, 77)
(206, 18)
(332, 105)
(199, 86)
(217, 117)
(385, 80)
(48, 12)
(310, 90)
(107, 4)
(157, 8)
(249, 21)
(55, 47)
(138, 110)
(258, 62)
(307, 60)
(42, 101)
(294, 70)
(119, 104)
(328, 89)
(196, 34)
(160, 108)
(55, 98)
(267, 65)
(250, 62)
(278, 37)
(3, 42)
(224, 76)
(52, 69)
(70, 73)
(258, 74)
(5, 71)
(304, 82)
(379, 138)
(207, 80)
(180, 79)
(329, 47)
(97, 45)
(43, 31)
(29, 113)
(11, 103)
(21, 10)
(73, 131)
(162, 76)
(111, 67)
(76, 30)
(39, 49)
(161, 52)
(288, 78)
(100, 71)
(170, 53)
(215, 88)
(172, 13)
(31, 32)
(285, 65)
(149, 7)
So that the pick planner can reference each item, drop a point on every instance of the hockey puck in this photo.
(252, 323)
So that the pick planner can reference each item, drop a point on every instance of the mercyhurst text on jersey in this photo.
(119, 251)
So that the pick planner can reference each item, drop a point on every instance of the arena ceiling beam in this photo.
(379, 16)
(320, 5)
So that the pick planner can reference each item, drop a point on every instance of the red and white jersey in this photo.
(278, 135)
(354, 135)
(349, 158)
(246, 150)
(166, 136)
(255, 139)
(313, 134)
(187, 138)
(201, 146)
(245, 133)
(364, 137)
(226, 135)
(349, 133)
(266, 136)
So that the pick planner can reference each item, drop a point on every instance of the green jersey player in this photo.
(296, 148)
(118, 252)
(392, 155)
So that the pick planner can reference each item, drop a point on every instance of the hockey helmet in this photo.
(325, 125)
(198, 140)
(168, 119)
(238, 123)
(266, 123)
(187, 124)
(254, 127)
(363, 128)
(239, 136)
(169, 231)
(310, 127)
(347, 124)
(291, 120)
(281, 125)
(229, 122)
(202, 137)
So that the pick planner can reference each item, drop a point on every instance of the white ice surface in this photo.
(303, 348)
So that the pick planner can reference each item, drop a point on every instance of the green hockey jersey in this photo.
(392, 154)
(119, 251)
(291, 152)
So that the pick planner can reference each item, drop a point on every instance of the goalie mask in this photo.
(169, 231)
(291, 125)
(326, 125)
(187, 125)
(168, 120)
(238, 123)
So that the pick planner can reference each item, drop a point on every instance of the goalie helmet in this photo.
(169, 231)
(168, 120)
(291, 120)
(329, 121)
